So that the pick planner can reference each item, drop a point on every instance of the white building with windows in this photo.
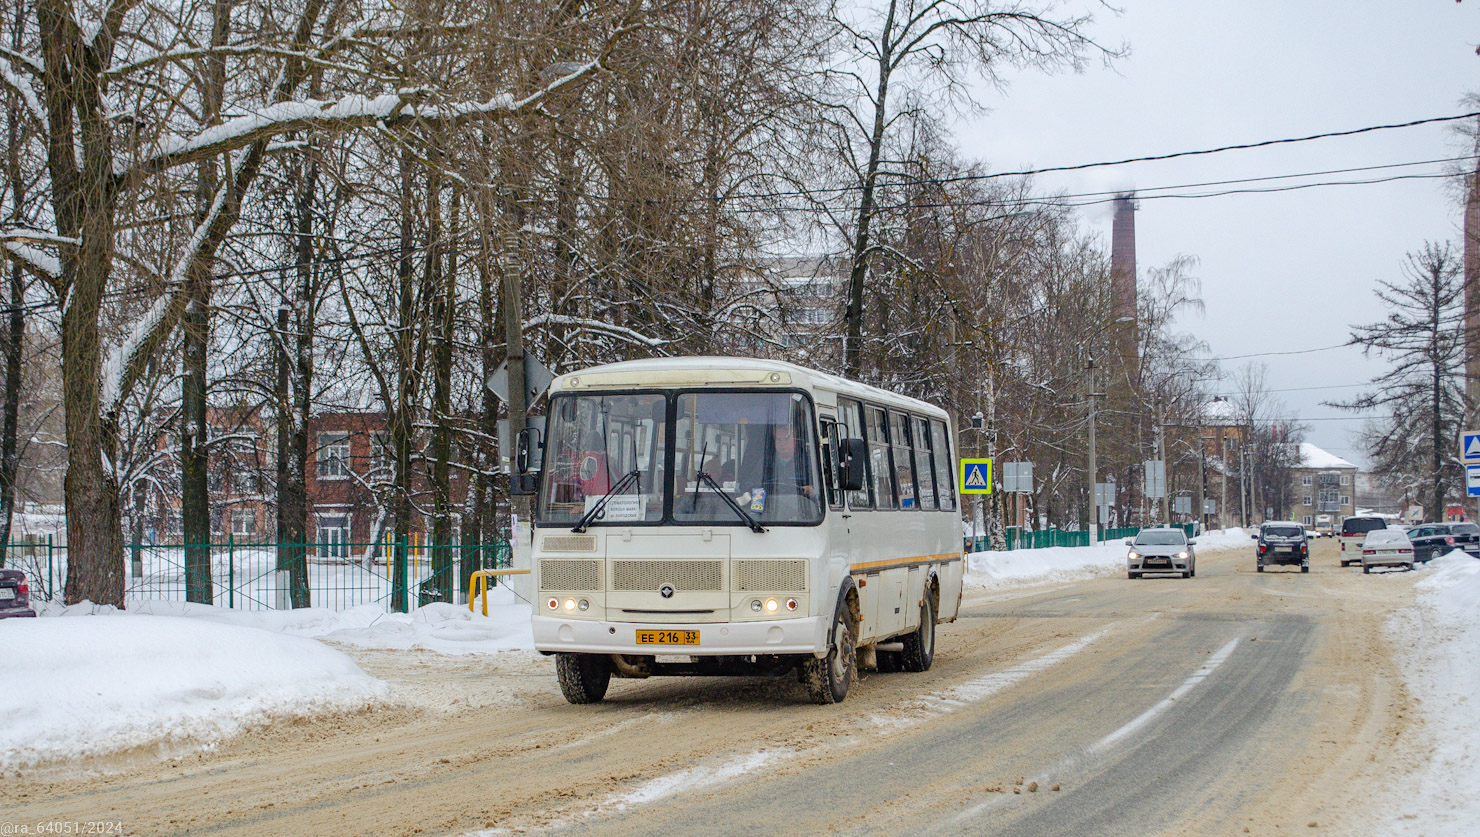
(1324, 484)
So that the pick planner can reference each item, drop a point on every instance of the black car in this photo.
(1430, 540)
(15, 594)
(1282, 542)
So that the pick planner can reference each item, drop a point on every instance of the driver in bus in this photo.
(775, 470)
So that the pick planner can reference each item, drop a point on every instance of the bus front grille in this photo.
(571, 575)
(770, 576)
(682, 575)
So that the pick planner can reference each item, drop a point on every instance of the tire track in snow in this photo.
(923, 708)
(1077, 761)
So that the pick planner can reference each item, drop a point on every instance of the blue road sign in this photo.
(1472, 480)
(1469, 446)
(976, 476)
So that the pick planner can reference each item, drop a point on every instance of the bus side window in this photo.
(879, 462)
(904, 468)
(941, 447)
(923, 470)
(852, 416)
(829, 463)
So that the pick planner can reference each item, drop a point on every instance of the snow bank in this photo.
(98, 683)
(1436, 640)
(445, 628)
(1071, 563)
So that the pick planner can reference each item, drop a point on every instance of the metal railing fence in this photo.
(396, 575)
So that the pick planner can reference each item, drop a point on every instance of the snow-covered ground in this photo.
(1071, 563)
(1437, 639)
(105, 684)
(171, 676)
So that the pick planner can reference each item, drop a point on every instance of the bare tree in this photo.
(896, 60)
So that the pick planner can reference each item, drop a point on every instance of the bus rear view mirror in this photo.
(526, 451)
(850, 469)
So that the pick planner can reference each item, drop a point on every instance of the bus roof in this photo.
(674, 372)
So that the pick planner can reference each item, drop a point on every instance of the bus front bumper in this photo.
(803, 635)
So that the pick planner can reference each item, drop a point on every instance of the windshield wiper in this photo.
(703, 476)
(627, 479)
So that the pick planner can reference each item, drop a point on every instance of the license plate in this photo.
(667, 637)
(6, 593)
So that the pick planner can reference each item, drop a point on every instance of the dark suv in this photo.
(1282, 542)
(1430, 540)
(15, 594)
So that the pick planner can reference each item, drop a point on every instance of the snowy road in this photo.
(1234, 700)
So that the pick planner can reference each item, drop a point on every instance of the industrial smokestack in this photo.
(1123, 278)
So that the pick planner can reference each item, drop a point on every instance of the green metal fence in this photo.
(1018, 538)
(396, 576)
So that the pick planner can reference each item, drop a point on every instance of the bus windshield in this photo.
(754, 446)
(609, 453)
(595, 442)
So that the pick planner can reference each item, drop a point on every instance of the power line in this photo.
(1270, 354)
(1126, 161)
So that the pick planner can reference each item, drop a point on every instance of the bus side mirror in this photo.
(850, 468)
(525, 479)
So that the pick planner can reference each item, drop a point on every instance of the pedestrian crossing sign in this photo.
(976, 476)
(1469, 446)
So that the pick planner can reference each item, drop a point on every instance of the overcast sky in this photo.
(1283, 271)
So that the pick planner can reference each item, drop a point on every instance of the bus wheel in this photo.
(828, 679)
(583, 677)
(919, 647)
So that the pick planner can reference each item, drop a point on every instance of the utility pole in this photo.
(1094, 504)
(1223, 480)
(1201, 483)
(514, 338)
(1166, 486)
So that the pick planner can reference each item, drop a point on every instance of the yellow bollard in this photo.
(480, 585)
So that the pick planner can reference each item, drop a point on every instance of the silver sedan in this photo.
(1166, 550)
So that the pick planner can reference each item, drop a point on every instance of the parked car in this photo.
(1386, 548)
(1430, 540)
(1353, 531)
(1165, 550)
(15, 594)
(1282, 542)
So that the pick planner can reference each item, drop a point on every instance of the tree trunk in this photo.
(401, 412)
(195, 500)
(442, 285)
(853, 318)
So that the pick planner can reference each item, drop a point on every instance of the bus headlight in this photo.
(771, 605)
(570, 604)
(583, 605)
(755, 605)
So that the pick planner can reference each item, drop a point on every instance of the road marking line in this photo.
(1187, 685)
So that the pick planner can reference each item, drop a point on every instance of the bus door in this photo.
(837, 522)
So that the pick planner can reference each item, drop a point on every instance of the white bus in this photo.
(728, 516)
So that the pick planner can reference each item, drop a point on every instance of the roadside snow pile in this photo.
(445, 628)
(94, 684)
(1436, 640)
(1060, 564)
